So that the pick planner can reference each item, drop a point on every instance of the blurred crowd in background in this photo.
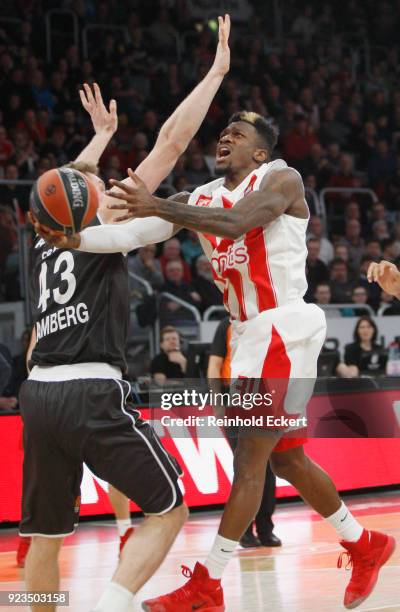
(328, 78)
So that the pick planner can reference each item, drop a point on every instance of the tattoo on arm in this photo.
(257, 209)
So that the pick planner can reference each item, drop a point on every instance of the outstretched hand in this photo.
(386, 275)
(104, 121)
(138, 201)
(223, 55)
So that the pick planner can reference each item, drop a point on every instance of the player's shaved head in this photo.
(266, 130)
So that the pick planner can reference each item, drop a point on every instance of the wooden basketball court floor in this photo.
(301, 576)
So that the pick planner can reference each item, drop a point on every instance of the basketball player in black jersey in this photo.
(75, 404)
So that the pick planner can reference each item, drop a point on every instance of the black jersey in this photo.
(80, 306)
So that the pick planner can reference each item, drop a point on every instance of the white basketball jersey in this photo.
(262, 269)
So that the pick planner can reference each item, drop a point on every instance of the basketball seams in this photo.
(68, 198)
(64, 200)
(42, 202)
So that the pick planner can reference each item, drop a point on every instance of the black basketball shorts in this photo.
(88, 421)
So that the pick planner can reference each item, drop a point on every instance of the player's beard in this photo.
(218, 171)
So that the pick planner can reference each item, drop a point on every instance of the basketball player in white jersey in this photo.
(252, 224)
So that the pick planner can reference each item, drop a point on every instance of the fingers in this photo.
(97, 95)
(118, 206)
(123, 186)
(117, 195)
(227, 24)
(370, 273)
(84, 100)
(135, 178)
(124, 217)
(89, 94)
(113, 108)
(377, 270)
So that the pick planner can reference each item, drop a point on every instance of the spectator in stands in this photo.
(298, 142)
(323, 297)
(56, 146)
(340, 283)
(373, 249)
(389, 249)
(380, 230)
(316, 270)
(382, 165)
(6, 147)
(359, 296)
(163, 33)
(176, 284)
(373, 290)
(170, 363)
(145, 265)
(389, 305)
(205, 286)
(354, 242)
(197, 171)
(25, 155)
(345, 176)
(316, 230)
(8, 401)
(14, 194)
(364, 356)
(172, 252)
(191, 247)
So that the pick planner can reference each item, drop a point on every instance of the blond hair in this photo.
(84, 167)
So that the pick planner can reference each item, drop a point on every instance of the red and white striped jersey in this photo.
(262, 269)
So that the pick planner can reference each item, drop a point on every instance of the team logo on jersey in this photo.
(204, 200)
(234, 256)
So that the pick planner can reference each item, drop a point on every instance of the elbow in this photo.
(175, 146)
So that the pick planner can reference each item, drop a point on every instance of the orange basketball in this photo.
(64, 200)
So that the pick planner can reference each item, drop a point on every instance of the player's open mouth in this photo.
(222, 153)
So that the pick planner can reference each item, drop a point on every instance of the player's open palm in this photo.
(104, 121)
(223, 55)
(386, 275)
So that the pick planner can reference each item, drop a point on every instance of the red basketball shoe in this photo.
(199, 593)
(366, 556)
(123, 539)
(22, 550)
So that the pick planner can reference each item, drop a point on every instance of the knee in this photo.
(46, 547)
(248, 477)
(179, 515)
(286, 466)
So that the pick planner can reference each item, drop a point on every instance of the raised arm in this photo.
(181, 127)
(105, 123)
(280, 192)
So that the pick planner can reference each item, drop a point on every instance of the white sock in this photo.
(345, 524)
(123, 526)
(219, 556)
(116, 598)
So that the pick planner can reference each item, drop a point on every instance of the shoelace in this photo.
(184, 592)
(364, 562)
(349, 563)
